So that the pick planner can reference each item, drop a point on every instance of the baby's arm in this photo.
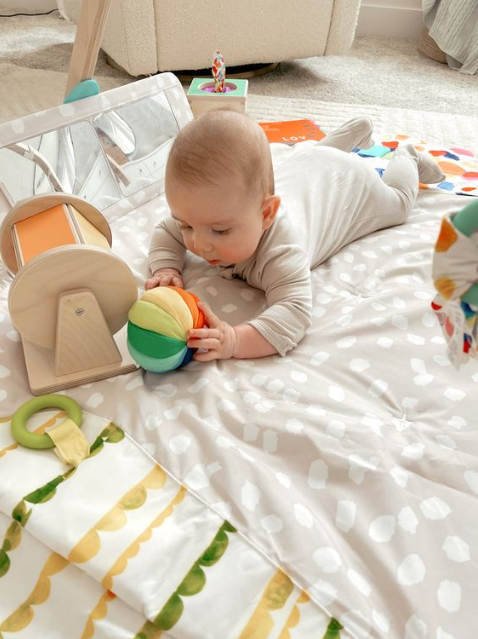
(250, 343)
(166, 255)
(285, 277)
(287, 285)
(223, 341)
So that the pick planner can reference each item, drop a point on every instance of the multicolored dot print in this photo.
(460, 165)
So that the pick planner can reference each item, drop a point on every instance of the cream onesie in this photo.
(329, 198)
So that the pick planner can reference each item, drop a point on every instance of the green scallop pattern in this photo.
(195, 580)
(333, 629)
(111, 434)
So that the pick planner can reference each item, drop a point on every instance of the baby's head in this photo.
(220, 186)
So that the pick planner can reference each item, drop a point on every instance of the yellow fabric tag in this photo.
(71, 445)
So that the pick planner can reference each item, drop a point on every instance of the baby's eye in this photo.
(221, 232)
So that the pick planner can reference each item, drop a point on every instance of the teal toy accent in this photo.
(21, 416)
(466, 220)
(84, 89)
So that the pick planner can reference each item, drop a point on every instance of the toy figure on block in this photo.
(158, 326)
(455, 275)
(70, 295)
(204, 95)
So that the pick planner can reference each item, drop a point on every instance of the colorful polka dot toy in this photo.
(158, 325)
(455, 276)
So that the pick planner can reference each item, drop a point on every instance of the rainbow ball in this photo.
(158, 324)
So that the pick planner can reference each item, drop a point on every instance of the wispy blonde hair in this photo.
(223, 144)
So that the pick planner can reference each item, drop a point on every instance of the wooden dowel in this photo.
(89, 34)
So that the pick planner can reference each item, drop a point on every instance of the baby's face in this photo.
(223, 225)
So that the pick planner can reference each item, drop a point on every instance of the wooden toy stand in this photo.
(69, 303)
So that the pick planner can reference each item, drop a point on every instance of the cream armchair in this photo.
(147, 36)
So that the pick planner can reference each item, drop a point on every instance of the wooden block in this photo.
(91, 235)
(201, 99)
(43, 231)
(83, 338)
(40, 366)
(40, 203)
(69, 304)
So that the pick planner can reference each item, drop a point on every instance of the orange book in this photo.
(292, 131)
(43, 231)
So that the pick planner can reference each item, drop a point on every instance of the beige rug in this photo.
(24, 90)
(376, 70)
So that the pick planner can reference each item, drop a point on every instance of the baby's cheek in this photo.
(187, 243)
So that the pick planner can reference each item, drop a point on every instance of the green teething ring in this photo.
(21, 416)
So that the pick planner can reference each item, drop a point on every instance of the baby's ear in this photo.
(270, 206)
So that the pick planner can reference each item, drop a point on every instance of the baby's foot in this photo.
(354, 134)
(428, 170)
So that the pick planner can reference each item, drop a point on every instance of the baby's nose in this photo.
(201, 243)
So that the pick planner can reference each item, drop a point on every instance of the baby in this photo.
(268, 214)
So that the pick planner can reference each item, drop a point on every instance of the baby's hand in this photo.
(164, 277)
(218, 338)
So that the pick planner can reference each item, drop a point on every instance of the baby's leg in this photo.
(428, 170)
(355, 134)
(401, 177)
(406, 170)
(389, 200)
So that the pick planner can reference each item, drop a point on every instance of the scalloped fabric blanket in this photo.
(119, 548)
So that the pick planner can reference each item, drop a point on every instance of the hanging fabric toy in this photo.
(455, 275)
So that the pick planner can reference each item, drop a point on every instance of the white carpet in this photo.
(24, 90)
